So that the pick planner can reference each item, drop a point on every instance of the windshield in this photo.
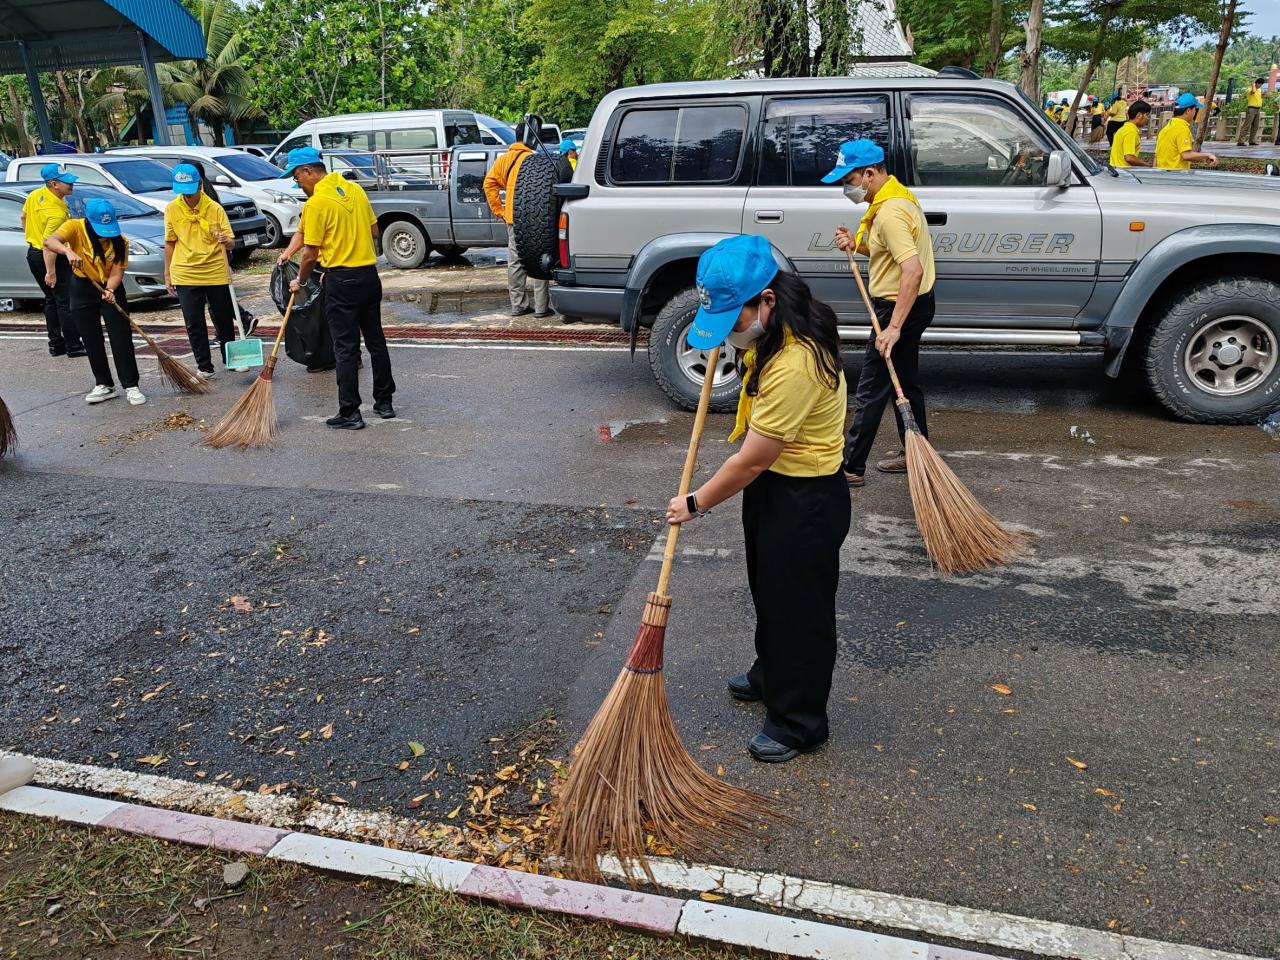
(502, 131)
(248, 167)
(1091, 165)
(141, 176)
(126, 207)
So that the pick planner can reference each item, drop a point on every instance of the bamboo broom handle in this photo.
(875, 321)
(120, 310)
(288, 309)
(690, 461)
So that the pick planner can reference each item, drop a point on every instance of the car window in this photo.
(345, 140)
(701, 144)
(248, 167)
(10, 214)
(169, 162)
(802, 136)
(457, 134)
(416, 139)
(293, 143)
(141, 175)
(126, 207)
(89, 174)
(974, 141)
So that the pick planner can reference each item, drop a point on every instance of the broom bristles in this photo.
(8, 433)
(179, 375)
(251, 421)
(631, 775)
(959, 533)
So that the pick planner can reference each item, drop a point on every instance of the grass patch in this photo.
(71, 892)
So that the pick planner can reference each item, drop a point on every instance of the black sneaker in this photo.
(385, 410)
(740, 688)
(353, 422)
(57, 351)
(520, 311)
(250, 322)
(77, 352)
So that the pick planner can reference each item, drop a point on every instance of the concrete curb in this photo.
(649, 912)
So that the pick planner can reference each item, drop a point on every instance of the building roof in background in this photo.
(74, 34)
(883, 37)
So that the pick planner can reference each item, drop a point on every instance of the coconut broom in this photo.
(174, 371)
(251, 422)
(8, 434)
(630, 772)
(959, 534)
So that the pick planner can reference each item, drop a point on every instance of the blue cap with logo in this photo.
(186, 179)
(53, 171)
(102, 215)
(1186, 101)
(735, 270)
(300, 157)
(566, 145)
(854, 155)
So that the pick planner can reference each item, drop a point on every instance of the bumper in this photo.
(249, 232)
(595, 302)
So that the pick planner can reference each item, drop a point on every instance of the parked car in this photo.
(279, 200)
(151, 182)
(392, 130)
(141, 225)
(262, 150)
(1035, 243)
(578, 135)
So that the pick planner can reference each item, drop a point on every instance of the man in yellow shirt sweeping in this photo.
(1251, 119)
(1175, 146)
(1126, 148)
(43, 212)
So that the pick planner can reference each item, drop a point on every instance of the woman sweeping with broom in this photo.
(98, 255)
(795, 504)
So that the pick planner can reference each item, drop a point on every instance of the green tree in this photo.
(216, 89)
(969, 33)
(493, 53)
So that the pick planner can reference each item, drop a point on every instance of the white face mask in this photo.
(855, 192)
(743, 339)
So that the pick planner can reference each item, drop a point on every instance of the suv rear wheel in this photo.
(404, 245)
(1215, 356)
(680, 369)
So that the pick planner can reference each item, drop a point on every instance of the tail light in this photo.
(564, 240)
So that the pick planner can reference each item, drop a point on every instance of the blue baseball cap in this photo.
(729, 274)
(102, 215)
(1186, 101)
(52, 171)
(854, 155)
(300, 157)
(186, 179)
(566, 145)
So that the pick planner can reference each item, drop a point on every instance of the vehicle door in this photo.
(474, 224)
(15, 276)
(800, 139)
(1009, 250)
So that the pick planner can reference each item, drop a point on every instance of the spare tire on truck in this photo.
(535, 212)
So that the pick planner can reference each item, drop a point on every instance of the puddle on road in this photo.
(608, 432)
(447, 307)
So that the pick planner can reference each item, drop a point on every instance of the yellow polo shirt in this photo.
(1255, 97)
(1173, 139)
(1128, 140)
(95, 266)
(898, 233)
(1119, 111)
(339, 219)
(45, 212)
(796, 405)
(199, 260)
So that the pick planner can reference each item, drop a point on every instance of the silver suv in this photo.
(1035, 242)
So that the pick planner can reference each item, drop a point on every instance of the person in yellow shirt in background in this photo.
(1126, 148)
(1117, 113)
(339, 228)
(1097, 117)
(502, 177)
(1175, 146)
(98, 255)
(42, 213)
(895, 235)
(197, 235)
(1251, 120)
(569, 150)
(795, 505)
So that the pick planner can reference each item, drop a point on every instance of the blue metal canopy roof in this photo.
(71, 34)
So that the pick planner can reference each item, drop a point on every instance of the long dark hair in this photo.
(205, 184)
(810, 320)
(118, 247)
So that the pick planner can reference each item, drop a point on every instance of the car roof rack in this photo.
(958, 73)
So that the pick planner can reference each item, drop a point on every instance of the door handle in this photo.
(936, 219)
(769, 216)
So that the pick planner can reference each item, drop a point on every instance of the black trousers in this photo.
(875, 389)
(1113, 127)
(58, 321)
(353, 307)
(794, 527)
(91, 312)
(193, 300)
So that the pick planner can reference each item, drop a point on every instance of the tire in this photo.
(676, 366)
(274, 234)
(535, 215)
(1203, 360)
(451, 251)
(404, 245)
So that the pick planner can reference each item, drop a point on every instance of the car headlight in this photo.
(141, 249)
(279, 197)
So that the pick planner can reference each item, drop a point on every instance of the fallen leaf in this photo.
(305, 735)
(713, 897)
(1078, 764)
(403, 765)
(1270, 818)
(153, 760)
(418, 750)
(1124, 518)
(1103, 792)
(241, 604)
(1029, 806)
(154, 693)
(1002, 688)
(454, 813)
(719, 771)
(326, 731)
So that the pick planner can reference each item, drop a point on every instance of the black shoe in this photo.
(520, 311)
(320, 369)
(77, 352)
(767, 750)
(353, 422)
(57, 351)
(543, 314)
(740, 688)
(385, 410)
(250, 322)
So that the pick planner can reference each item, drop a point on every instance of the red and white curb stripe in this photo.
(644, 911)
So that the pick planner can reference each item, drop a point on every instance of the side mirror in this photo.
(223, 180)
(1058, 170)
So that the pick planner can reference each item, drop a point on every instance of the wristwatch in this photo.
(691, 502)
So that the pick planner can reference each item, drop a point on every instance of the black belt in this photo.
(919, 298)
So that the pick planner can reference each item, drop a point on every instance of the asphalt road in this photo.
(478, 567)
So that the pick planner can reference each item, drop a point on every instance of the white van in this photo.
(396, 130)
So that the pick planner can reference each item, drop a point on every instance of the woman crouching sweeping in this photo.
(795, 501)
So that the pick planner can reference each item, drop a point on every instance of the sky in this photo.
(1265, 21)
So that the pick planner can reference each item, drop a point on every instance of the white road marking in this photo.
(967, 924)
(1053, 461)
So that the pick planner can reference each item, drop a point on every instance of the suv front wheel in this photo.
(680, 369)
(1215, 355)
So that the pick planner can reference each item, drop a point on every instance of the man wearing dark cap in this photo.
(44, 211)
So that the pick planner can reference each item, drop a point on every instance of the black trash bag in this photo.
(306, 339)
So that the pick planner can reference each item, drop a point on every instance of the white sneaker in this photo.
(100, 393)
(207, 374)
(136, 396)
(239, 369)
